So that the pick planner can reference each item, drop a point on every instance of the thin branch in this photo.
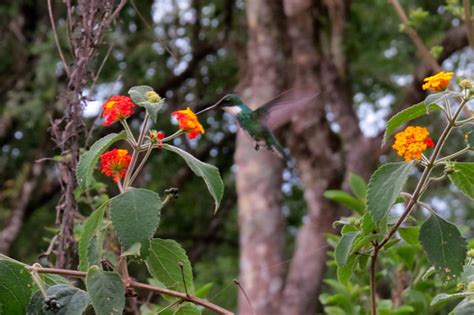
(420, 46)
(56, 39)
(188, 298)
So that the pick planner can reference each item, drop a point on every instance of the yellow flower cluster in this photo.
(438, 82)
(411, 142)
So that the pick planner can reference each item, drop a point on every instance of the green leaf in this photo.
(443, 297)
(162, 263)
(344, 198)
(410, 234)
(73, 300)
(138, 96)
(187, 309)
(138, 93)
(35, 306)
(384, 187)
(209, 173)
(444, 246)
(441, 97)
(204, 290)
(407, 115)
(106, 291)
(135, 215)
(358, 186)
(462, 176)
(345, 272)
(16, 286)
(91, 225)
(88, 160)
(466, 307)
(343, 248)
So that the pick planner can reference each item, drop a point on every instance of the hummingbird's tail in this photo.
(274, 145)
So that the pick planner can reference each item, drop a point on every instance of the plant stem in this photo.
(188, 298)
(136, 152)
(130, 136)
(169, 138)
(142, 163)
(419, 189)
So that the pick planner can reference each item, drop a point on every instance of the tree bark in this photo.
(259, 173)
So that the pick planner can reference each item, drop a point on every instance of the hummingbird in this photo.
(254, 122)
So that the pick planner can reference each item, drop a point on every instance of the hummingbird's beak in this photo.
(209, 107)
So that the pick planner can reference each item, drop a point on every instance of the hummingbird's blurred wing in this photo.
(284, 105)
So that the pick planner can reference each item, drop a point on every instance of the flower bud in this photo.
(465, 84)
(153, 97)
(470, 252)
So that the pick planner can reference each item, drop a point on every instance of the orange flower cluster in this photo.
(189, 122)
(117, 108)
(411, 142)
(114, 163)
(438, 82)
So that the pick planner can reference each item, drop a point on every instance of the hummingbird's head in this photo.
(230, 103)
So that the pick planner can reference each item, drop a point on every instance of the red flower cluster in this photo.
(189, 122)
(117, 108)
(114, 163)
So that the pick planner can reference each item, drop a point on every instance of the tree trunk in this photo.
(259, 172)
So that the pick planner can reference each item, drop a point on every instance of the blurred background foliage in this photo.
(192, 52)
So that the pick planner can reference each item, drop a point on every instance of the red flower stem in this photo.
(134, 284)
(420, 188)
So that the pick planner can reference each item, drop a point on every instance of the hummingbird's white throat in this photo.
(233, 110)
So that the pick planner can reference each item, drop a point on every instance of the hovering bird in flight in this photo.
(254, 122)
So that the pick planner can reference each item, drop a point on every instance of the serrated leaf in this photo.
(91, 225)
(463, 177)
(106, 291)
(444, 246)
(209, 173)
(358, 186)
(410, 234)
(162, 263)
(344, 198)
(73, 300)
(88, 160)
(407, 115)
(16, 287)
(441, 97)
(187, 309)
(343, 248)
(444, 297)
(135, 215)
(384, 187)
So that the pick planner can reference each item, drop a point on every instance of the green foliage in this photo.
(209, 173)
(106, 291)
(187, 309)
(88, 160)
(444, 246)
(358, 186)
(135, 215)
(138, 94)
(461, 174)
(163, 264)
(384, 187)
(344, 247)
(407, 115)
(90, 230)
(16, 286)
(71, 300)
(345, 199)
(441, 98)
